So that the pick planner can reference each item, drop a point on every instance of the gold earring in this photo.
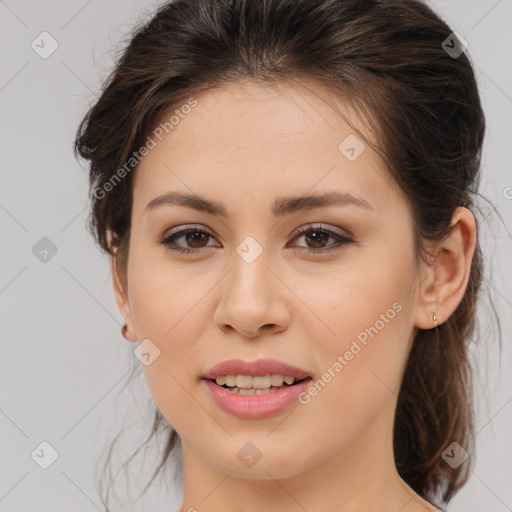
(435, 319)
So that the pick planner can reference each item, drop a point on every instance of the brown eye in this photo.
(316, 239)
(194, 239)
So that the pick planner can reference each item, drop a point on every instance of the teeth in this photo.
(248, 382)
(276, 380)
(251, 391)
(243, 381)
(261, 382)
(230, 380)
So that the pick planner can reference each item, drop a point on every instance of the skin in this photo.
(245, 145)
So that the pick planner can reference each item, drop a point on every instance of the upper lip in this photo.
(255, 368)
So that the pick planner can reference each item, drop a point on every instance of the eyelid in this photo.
(300, 230)
(341, 240)
(324, 227)
(183, 227)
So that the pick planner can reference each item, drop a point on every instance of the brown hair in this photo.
(387, 58)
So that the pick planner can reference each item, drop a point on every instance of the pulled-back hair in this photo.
(387, 58)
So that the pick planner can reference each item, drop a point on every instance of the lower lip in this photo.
(256, 406)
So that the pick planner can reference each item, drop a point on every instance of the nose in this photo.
(253, 300)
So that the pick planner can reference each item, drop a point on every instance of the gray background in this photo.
(64, 363)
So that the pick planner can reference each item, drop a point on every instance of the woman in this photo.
(285, 191)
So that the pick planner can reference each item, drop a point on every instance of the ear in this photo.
(121, 296)
(446, 279)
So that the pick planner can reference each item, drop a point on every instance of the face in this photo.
(325, 288)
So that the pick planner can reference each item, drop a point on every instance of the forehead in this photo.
(253, 138)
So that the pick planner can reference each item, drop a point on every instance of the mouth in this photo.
(249, 385)
(257, 389)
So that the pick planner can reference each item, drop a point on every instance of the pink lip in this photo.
(257, 406)
(255, 368)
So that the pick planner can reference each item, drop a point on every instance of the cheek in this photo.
(362, 359)
(167, 310)
(165, 298)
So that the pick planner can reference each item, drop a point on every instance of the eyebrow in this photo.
(282, 205)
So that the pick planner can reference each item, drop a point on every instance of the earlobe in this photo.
(446, 281)
(121, 297)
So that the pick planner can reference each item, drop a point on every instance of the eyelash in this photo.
(169, 240)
